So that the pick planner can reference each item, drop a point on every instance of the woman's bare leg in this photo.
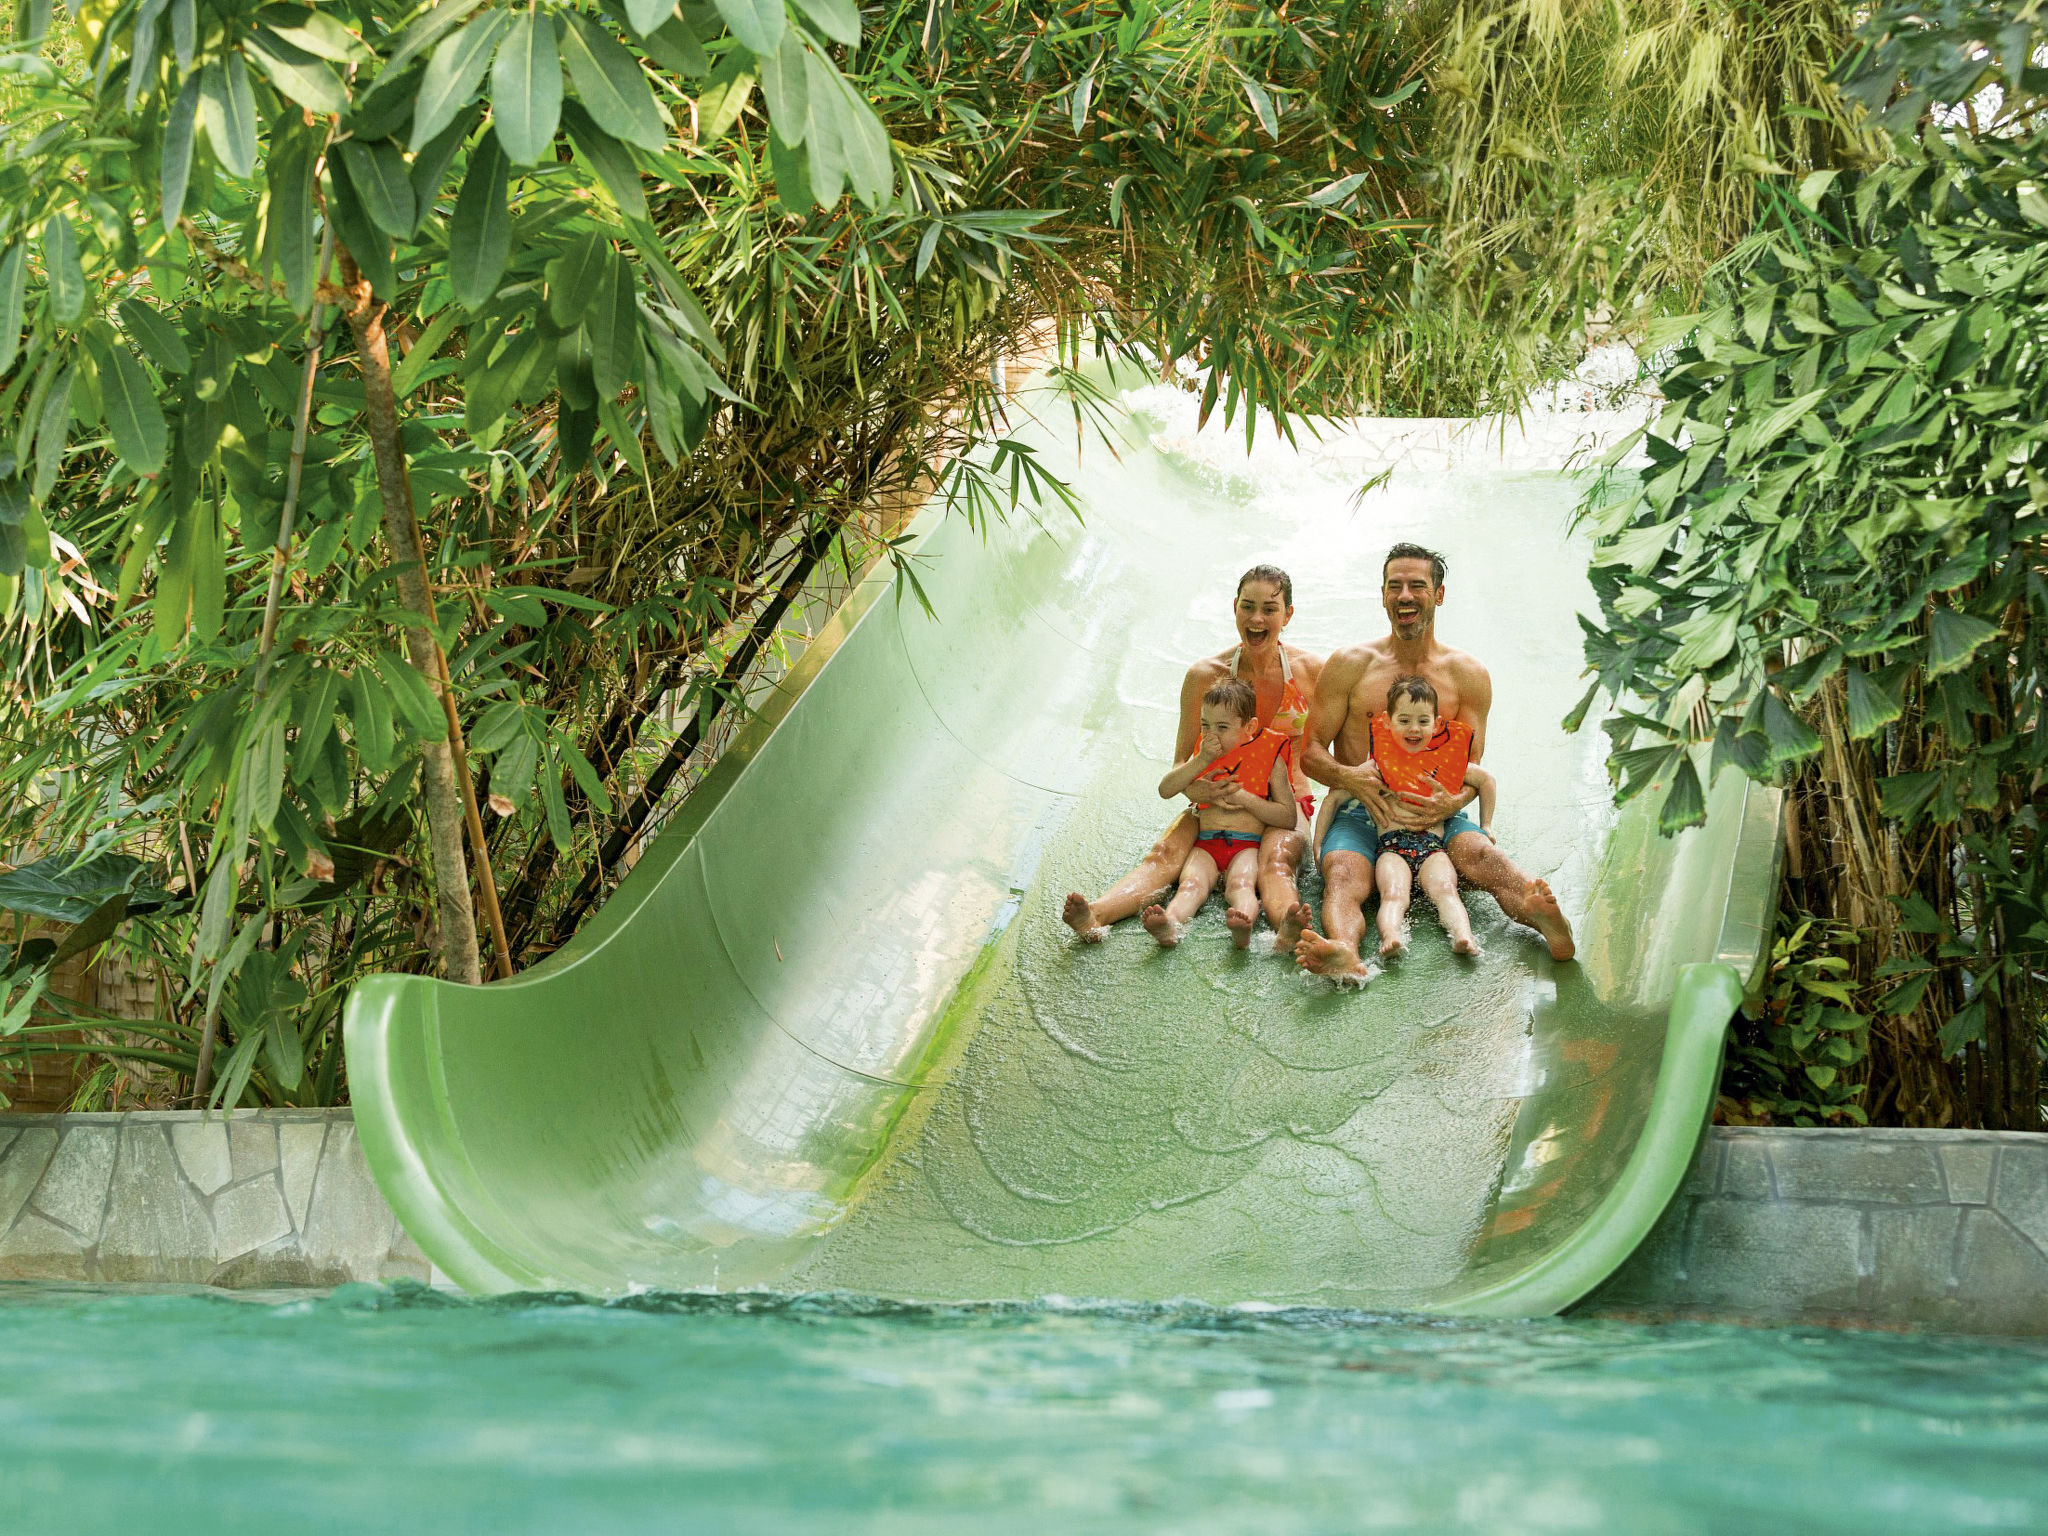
(1280, 854)
(1395, 889)
(1439, 878)
(1143, 886)
(1241, 884)
(1197, 880)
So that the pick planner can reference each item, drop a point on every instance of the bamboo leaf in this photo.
(134, 418)
(378, 175)
(614, 326)
(52, 429)
(480, 239)
(1338, 190)
(13, 290)
(1953, 638)
(757, 24)
(613, 87)
(303, 78)
(837, 19)
(61, 267)
(526, 88)
(453, 74)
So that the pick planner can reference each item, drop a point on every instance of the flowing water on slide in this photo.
(1124, 1121)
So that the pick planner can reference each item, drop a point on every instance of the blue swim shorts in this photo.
(1352, 831)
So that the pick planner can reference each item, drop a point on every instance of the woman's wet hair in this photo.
(1412, 687)
(1406, 551)
(1273, 576)
(1235, 695)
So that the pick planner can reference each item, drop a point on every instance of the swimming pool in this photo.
(374, 1410)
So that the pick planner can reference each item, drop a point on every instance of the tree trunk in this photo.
(457, 920)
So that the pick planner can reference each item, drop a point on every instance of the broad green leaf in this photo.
(785, 82)
(837, 19)
(613, 87)
(453, 74)
(13, 288)
(1338, 190)
(526, 88)
(227, 110)
(865, 147)
(574, 278)
(757, 24)
(425, 32)
(1872, 707)
(414, 697)
(609, 159)
(1262, 106)
(60, 265)
(1953, 638)
(302, 77)
(614, 325)
(289, 243)
(1966, 1028)
(1790, 738)
(648, 15)
(184, 33)
(721, 101)
(674, 47)
(826, 132)
(323, 37)
(52, 430)
(142, 51)
(156, 336)
(134, 418)
(430, 165)
(408, 374)
(480, 239)
(1686, 804)
(379, 176)
(369, 247)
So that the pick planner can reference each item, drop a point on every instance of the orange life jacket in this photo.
(1288, 719)
(1251, 765)
(1442, 762)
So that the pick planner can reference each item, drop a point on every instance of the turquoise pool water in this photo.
(397, 1411)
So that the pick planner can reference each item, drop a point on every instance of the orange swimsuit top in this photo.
(1442, 762)
(1251, 765)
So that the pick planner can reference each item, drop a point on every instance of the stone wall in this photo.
(253, 1198)
(1945, 1230)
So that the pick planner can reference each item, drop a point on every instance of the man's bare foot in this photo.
(1078, 915)
(1324, 957)
(1299, 920)
(1160, 926)
(1467, 945)
(1241, 924)
(1541, 912)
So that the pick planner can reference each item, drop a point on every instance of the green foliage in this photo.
(1837, 549)
(1800, 1056)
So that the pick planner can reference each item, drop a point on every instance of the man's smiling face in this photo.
(1261, 613)
(1409, 597)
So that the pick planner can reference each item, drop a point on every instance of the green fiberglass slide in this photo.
(830, 1032)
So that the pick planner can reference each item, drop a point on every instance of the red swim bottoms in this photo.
(1225, 846)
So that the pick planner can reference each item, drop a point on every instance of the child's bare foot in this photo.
(1325, 957)
(1241, 925)
(1078, 915)
(1299, 920)
(1394, 945)
(1465, 944)
(1539, 910)
(1160, 926)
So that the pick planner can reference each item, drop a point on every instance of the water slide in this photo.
(830, 1033)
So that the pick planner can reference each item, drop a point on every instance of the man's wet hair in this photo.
(1412, 687)
(1273, 576)
(1235, 695)
(1407, 551)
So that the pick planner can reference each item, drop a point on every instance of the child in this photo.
(1416, 750)
(1256, 793)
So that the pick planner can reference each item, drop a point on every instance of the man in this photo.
(1337, 752)
(1284, 679)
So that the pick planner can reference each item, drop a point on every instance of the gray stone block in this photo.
(74, 1187)
(1656, 1270)
(21, 1168)
(1776, 1260)
(1913, 1258)
(35, 1249)
(298, 1153)
(348, 1224)
(202, 1148)
(252, 1146)
(1838, 1165)
(2002, 1278)
(158, 1230)
(1968, 1166)
(2020, 1191)
(246, 1216)
(1746, 1174)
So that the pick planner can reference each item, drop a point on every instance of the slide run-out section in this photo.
(831, 1033)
